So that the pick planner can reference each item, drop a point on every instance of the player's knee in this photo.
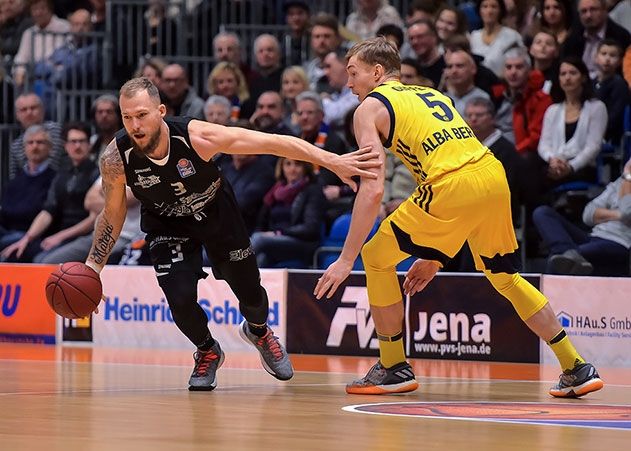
(502, 282)
(370, 257)
(180, 290)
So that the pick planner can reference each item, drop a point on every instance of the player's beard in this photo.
(154, 140)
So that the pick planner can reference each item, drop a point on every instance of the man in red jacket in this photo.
(521, 103)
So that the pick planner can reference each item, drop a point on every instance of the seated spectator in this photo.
(290, 223)
(78, 248)
(611, 88)
(24, 195)
(368, 15)
(459, 79)
(29, 110)
(74, 65)
(411, 74)
(268, 116)
(293, 82)
(152, 69)
(159, 34)
(227, 80)
(544, 51)
(521, 103)
(393, 34)
(493, 39)
(594, 27)
(621, 13)
(450, 21)
(63, 215)
(573, 128)
(15, 21)
(39, 41)
(217, 110)
(399, 185)
(106, 120)
(485, 78)
(251, 177)
(325, 38)
(341, 99)
(604, 251)
(227, 48)
(296, 41)
(422, 10)
(268, 71)
(424, 42)
(555, 16)
(480, 115)
(315, 130)
(178, 95)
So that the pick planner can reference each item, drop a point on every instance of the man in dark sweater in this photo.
(250, 177)
(24, 195)
(480, 115)
(63, 212)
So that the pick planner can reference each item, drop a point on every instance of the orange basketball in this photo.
(74, 290)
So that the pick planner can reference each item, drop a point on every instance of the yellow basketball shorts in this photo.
(471, 204)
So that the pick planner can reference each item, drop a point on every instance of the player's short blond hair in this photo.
(137, 85)
(377, 51)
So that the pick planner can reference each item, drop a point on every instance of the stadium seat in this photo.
(332, 243)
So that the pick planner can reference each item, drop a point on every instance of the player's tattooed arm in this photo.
(110, 220)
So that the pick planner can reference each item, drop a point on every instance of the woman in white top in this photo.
(493, 39)
(573, 128)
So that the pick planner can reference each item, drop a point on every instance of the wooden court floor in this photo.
(69, 398)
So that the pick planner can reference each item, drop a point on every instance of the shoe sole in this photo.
(265, 365)
(403, 387)
(590, 386)
(213, 385)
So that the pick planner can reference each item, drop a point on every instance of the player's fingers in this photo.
(352, 184)
(365, 173)
(333, 289)
(363, 150)
(320, 288)
(406, 286)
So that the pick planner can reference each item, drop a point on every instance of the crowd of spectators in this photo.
(543, 83)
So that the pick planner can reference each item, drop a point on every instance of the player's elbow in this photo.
(371, 191)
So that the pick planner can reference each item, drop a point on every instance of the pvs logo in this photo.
(565, 319)
(10, 298)
(354, 313)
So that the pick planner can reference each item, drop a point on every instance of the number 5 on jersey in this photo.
(447, 115)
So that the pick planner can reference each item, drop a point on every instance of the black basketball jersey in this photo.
(183, 186)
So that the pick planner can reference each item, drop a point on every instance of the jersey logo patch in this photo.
(147, 182)
(185, 168)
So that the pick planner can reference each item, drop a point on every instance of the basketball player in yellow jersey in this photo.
(462, 195)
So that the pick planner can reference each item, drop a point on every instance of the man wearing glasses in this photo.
(63, 217)
(29, 111)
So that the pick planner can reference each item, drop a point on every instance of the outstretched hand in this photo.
(419, 275)
(356, 163)
(335, 274)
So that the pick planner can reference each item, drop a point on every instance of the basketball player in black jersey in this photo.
(186, 204)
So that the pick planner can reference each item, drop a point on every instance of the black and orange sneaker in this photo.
(579, 381)
(382, 381)
(204, 376)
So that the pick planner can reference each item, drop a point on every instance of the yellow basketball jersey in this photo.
(426, 131)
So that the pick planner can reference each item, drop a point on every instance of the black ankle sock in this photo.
(259, 331)
(208, 343)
